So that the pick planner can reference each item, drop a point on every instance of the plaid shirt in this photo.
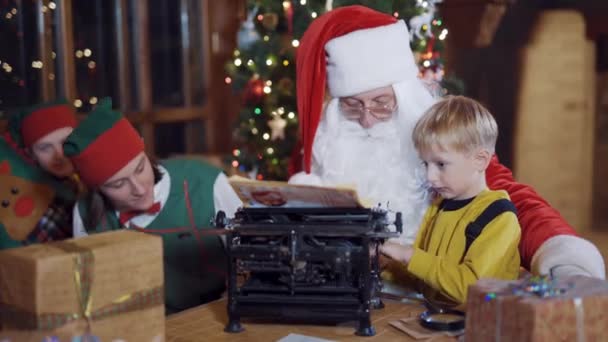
(55, 224)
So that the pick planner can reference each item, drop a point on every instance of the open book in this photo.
(281, 194)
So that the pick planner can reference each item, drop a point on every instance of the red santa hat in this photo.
(350, 50)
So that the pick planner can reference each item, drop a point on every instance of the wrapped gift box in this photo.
(566, 309)
(109, 285)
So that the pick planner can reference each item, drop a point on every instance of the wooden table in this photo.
(206, 323)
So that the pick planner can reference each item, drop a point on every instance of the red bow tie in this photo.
(127, 215)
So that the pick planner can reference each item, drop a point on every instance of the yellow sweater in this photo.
(441, 270)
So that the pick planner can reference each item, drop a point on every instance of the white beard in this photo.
(380, 162)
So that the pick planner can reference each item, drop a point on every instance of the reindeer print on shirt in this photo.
(22, 203)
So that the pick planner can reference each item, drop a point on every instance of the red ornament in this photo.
(254, 91)
(430, 45)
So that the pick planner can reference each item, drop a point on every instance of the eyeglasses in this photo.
(382, 112)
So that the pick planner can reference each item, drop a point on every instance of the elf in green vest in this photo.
(174, 198)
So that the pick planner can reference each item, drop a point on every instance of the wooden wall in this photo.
(226, 17)
(600, 179)
(205, 123)
(554, 126)
(538, 78)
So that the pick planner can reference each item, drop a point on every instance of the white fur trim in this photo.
(303, 178)
(568, 255)
(367, 59)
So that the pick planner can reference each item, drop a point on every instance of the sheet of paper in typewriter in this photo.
(255, 193)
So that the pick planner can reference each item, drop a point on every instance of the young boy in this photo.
(469, 232)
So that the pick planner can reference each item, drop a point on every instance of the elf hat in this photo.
(11, 163)
(102, 144)
(32, 123)
(351, 49)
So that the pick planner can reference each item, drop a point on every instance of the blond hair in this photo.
(456, 123)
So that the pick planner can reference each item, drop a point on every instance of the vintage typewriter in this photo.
(305, 264)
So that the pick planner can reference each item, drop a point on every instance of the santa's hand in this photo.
(396, 251)
(566, 255)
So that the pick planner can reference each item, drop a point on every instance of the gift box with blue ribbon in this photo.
(538, 309)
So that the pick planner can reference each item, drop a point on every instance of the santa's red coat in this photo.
(538, 220)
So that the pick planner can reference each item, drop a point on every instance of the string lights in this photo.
(263, 72)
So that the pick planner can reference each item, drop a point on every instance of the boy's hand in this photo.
(383, 261)
(397, 252)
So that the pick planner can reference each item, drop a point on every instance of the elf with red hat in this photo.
(33, 145)
(174, 198)
(41, 130)
(362, 134)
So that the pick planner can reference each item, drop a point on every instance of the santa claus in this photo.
(361, 134)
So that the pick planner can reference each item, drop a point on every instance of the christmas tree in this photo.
(263, 73)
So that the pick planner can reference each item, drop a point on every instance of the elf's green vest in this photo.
(195, 266)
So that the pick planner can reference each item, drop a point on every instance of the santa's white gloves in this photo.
(566, 255)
